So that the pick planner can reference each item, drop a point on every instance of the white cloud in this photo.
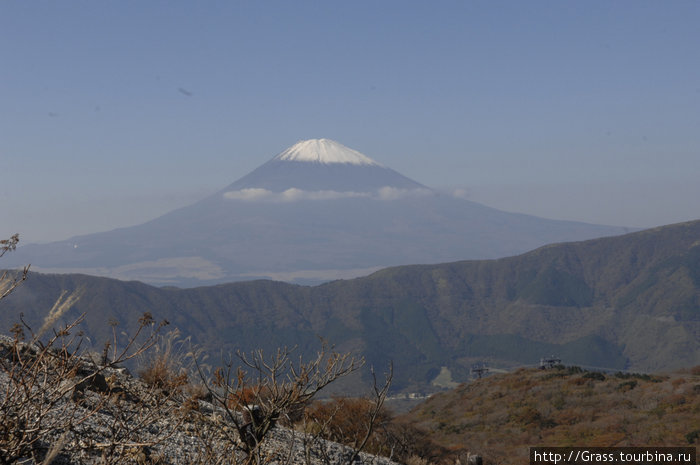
(294, 195)
(394, 193)
(250, 194)
(461, 193)
(290, 195)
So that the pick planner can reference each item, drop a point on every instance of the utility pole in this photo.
(549, 362)
(480, 369)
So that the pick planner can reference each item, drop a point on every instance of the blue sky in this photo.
(113, 113)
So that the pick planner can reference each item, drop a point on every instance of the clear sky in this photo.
(112, 113)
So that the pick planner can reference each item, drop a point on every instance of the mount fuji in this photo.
(321, 169)
(317, 211)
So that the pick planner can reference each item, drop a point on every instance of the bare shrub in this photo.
(350, 421)
(361, 422)
(256, 392)
(405, 440)
(50, 390)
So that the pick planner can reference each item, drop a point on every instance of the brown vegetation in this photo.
(345, 420)
(502, 415)
(61, 406)
(256, 392)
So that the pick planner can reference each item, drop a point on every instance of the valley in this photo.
(622, 303)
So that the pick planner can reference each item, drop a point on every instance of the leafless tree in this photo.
(44, 386)
(255, 392)
(349, 421)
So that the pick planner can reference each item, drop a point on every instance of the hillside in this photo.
(502, 415)
(625, 302)
(63, 406)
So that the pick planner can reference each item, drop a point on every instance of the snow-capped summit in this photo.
(320, 165)
(324, 151)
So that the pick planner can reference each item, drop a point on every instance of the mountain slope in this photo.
(626, 302)
(502, 415)
(322, 165)
(316, 212)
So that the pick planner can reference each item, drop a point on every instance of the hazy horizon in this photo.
(114, 114)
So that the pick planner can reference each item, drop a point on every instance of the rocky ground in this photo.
(63, 409)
